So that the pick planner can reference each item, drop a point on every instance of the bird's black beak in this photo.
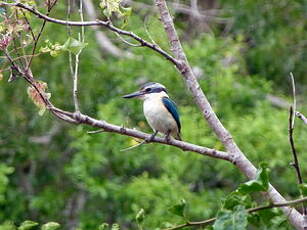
(135, 94)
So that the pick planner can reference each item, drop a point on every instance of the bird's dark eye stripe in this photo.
(155, 90)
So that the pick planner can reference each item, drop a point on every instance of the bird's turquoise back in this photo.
(172, 108)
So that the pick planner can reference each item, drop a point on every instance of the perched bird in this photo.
(160, 111)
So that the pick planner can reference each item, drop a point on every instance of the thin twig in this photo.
(134, 146)
(294, 99)
(96, 131)
(49, 8)
(127, 42)
(68, 28)
(106, 24)
(250, 210)
(295, 164)
(81, 38)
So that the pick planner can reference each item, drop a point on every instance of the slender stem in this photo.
(251, 210)
(294, 98)
(293, 149)
(75, 84)
(49, 8)
(75, 75)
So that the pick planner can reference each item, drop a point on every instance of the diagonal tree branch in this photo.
(106, 24)
(79, 118)
(222, 133)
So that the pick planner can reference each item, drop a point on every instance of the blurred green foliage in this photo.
(83, 181)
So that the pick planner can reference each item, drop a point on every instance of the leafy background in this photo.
(82, 181)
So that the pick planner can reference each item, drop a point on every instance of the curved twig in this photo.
(250, 210)
(106, 24)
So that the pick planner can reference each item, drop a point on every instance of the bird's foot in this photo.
(149, 139)
(167, 136)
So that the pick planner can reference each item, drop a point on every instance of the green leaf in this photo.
(103, 226)
(50, 226)
(126, 11)
(179, 209)
(53, 49)
(236, 198)
(28, 224)
(140, 216)
(74, 45)
(260, 183)
(110, 6)
(231, 220)
(115, 227)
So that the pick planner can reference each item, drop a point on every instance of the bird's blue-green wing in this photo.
(172, 108)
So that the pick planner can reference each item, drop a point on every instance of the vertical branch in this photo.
(74, 70)
(294, 99)
(75, 81)
(295, 164)
(75, 75)
(68, 28)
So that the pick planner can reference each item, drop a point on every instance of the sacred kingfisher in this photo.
(160, 111)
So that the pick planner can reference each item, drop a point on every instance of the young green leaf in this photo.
(115, 227)
(27, 225)
(110, 6)
(103, 226)
(50, 226)
(236, 198)
(74, 45)
(179, 209)
(260, 183)
(231, 220)
(53, 49)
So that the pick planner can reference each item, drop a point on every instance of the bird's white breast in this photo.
(157, 116)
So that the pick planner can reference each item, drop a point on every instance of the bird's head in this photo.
(149, 90)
